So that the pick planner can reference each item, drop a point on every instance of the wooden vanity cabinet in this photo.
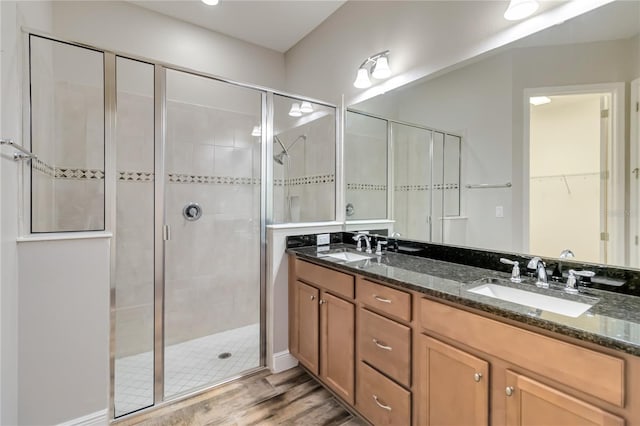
(322, 325)
(453, 386)
(529, 403)
(400, 358)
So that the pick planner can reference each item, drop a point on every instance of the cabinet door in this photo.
(306, 318)
(454, 386)
(532, 403)
(338, 345)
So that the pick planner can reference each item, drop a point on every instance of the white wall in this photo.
(13, 17)
(63, 342)
(130, 29)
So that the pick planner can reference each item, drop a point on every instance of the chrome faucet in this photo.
(572, 280)
(541, 272)
(515, 272)
(358, 238)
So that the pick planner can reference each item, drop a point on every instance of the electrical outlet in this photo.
(499, 211)
(322, 239)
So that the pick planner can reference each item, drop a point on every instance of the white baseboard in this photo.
(99, 418)
(283, 361)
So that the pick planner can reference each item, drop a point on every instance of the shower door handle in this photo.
(166, 233)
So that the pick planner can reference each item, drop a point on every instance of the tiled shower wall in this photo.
(311, 180)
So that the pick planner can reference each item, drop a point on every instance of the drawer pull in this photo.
(380, 299)
(381, 346)
(477, 377)
(381, 405)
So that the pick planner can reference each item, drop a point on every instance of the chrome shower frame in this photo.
(266, 200)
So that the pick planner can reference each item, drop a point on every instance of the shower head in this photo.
(279, 158)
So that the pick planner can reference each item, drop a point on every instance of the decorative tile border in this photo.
(366, 187)
(91, 174)
(436, 187)
(223, 180)
(136, 176)
(310, 180)
(43, 167)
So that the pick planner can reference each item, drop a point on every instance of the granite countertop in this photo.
(613, 322)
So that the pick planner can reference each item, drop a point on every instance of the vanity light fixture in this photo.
(520, 9)
(539, 100)
(295, 110)
(257, 131)
(210, 2)
(377, 65)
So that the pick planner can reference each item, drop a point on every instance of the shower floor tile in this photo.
(189, 366)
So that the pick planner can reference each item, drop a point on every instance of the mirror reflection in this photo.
(550, 154)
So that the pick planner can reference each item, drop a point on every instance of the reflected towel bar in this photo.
(23, 155)
(488, 185)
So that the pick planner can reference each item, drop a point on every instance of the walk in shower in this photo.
(166, 160)
(207, 211)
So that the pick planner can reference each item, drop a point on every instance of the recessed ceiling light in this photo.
(539, 100)
(210, 2)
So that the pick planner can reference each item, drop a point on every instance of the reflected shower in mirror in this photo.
(304, 161)
(365, 153)
(531, 149)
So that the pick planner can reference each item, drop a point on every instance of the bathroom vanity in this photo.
(402, 341)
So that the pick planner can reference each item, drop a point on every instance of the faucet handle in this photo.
(515, 272)
(572, 281)
(379, 245)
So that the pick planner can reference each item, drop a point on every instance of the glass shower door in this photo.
(212, 209)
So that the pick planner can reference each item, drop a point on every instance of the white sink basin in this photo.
(539, 301)
(347, 256)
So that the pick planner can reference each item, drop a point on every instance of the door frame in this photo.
(616, 197)
(633, 212)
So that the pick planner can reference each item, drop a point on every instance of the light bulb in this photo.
(210, 2)
(306, 107)
(520, 9)
(381, 68)
(362, 79)
(539, 100)
(257, 131)
(295, 110)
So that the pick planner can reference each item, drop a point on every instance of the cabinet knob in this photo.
(313, 298)
(509, 390)
(322, 301)
(477, 377)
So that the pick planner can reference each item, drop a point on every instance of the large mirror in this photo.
(549, 158)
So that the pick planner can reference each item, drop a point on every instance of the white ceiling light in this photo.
(378, 65)
(210, 2)
(539, 100)
(362, 79)
(295, 110)
(520, 9)
(381, 69)
(306, 107)
(257, 131)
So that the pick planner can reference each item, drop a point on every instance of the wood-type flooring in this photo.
(288, 398)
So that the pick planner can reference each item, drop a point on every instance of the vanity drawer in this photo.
(334, 281)
(561, 361)
(391, 301)
(386, 345)
(380, 400)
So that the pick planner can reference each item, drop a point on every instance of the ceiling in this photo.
(276, 25)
